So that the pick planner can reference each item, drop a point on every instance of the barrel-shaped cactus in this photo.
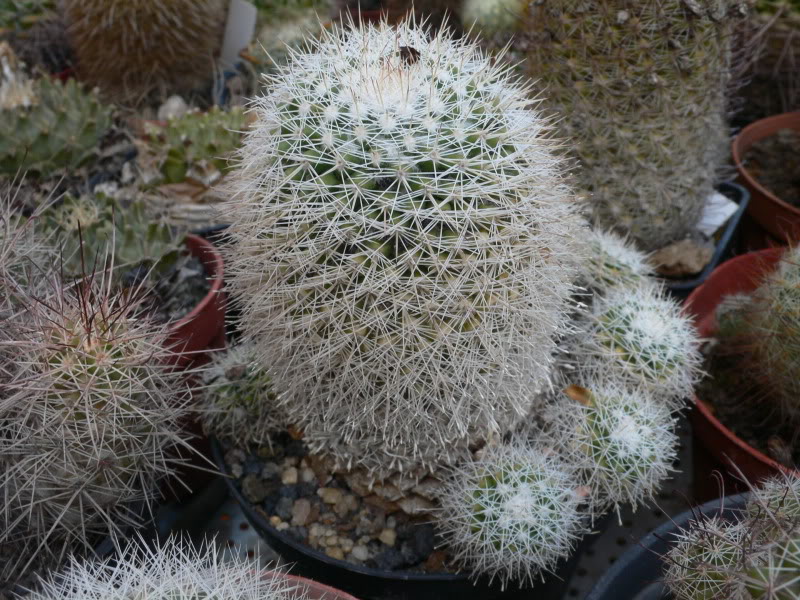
(130, 49)
(613, 261)
(622, 74)
(404, 245)
(172, 570)
(87, 420)
(513, 512)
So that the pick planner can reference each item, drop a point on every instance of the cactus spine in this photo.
(173, 570)
(156, 46)
(622, 74)
(87, 419)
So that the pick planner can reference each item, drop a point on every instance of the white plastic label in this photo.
(717, 211)
(239, 30)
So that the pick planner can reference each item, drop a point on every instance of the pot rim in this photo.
(216, 277)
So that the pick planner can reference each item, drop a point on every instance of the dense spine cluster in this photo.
(405, 244)
(622, 74)
(174, 569)
(131, 48)
(88, 418)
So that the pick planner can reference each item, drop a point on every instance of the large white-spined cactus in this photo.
(174, 570)
(405, 246)
(512, 513)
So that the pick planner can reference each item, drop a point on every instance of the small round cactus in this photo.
(613, 261)
(156, 46)
(778, 577)
(642, 336)
(88, 418)
(238, 403)
(621, 439)
(706, 559)
(776, 500)
(404, 245)
(512, 513)
(172, 570)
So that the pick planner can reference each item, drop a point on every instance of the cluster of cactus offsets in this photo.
(189, 144)
(411, 271)
(621, 74)
(238, 403)
(157, 46)
(513, 512)
(59, 129)
(93, 230)
(405, 245)
(174, 569)
(754, 558)
(87, 420)
(621, 439)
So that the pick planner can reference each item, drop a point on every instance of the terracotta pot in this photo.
(740, 274)
(204, 327)
(777, 217)
(316, 591)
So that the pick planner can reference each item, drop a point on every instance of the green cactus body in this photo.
(613, 262)
(779, 577)
(92, 230)
(491, 16)
(60, 131)
(196, 139)
(622, 75)
(17, 15)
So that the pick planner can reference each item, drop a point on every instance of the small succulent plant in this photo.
(172, 570)
(195, 143)
(46, 125)
(614, 261)
(621, 438)
(88, 418)
(161, 47)
(96, 231)
(239, 405)
(512, 513)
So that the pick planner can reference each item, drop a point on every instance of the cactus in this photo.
(643, 337)
(613, 261)
(238, 404)
(195, 143)
(56, 127)
(778, 578)
(87, 421)
(156, 46)
(622, 440)
(706, 560)
(172, 570)
(16, 15)
(491, 16)
(511, 513)
(404, 245)
(100, 232)
(777, 500)
(622, 74)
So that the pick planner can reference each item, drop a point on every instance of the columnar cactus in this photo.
(512, 513)
(46, 125)
(622, 74)
(87, 419)
(173, 570)
(405, 246)
(156, 46)
(409, 266)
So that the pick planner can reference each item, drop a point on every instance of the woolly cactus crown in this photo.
(405, 245)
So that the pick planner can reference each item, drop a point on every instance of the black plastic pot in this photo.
(637, 574)
(375, 584)
(681, 288)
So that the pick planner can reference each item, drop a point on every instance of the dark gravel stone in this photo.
(307, 490)
(419, 545)
(289, 491)
(252, 466)
(389, 560)
(296, 448)
(284, 508)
